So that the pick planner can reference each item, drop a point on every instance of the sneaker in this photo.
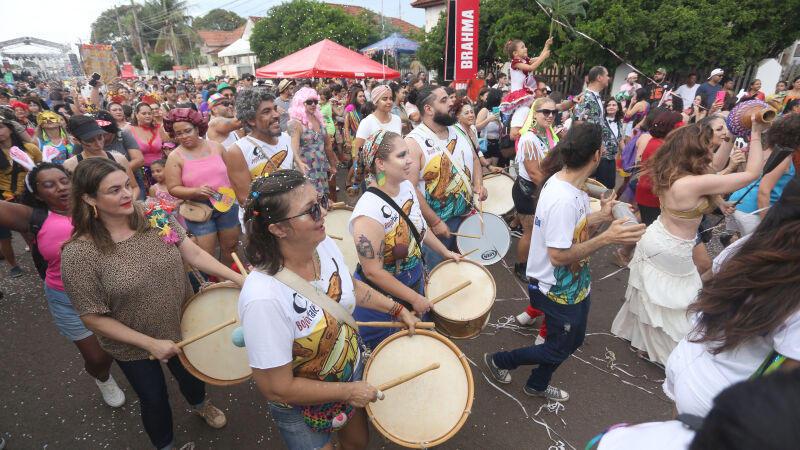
(551, 393)
(112, 394)
(2, 443)
(187, 446)
(516, 231)
(539, 339)
(524, 319)
(15, 272)
(500, 375)
(213, 416)
(519, 271)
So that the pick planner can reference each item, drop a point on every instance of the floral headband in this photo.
(370, 149)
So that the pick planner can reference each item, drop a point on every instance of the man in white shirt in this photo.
(687, 91)
(502, 83)
(558, 262)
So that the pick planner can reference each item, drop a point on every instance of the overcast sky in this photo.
(69, 21)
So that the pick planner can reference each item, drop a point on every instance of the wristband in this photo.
(397, 308)
(438, 221)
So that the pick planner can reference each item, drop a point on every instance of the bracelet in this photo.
(397, 308)
(438, 221)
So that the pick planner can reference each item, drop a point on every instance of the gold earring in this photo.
(95, 211)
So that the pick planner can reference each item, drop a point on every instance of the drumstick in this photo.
(336, 205)
(407, 377)
(203, 334)
(242, 270)
(480, 208)
(333, 236)
(395, 324)
(451, 292)
(465, 235)
(469, 252)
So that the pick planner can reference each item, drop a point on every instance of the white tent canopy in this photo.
(239, 48)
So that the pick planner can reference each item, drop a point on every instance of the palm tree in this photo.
(166, 19)
(561, 10)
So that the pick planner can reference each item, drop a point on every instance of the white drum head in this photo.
(594, 205)
(214, 356)
(469, 303)
(499, 201)
(429, 408)
(337, 223)
(492, 245)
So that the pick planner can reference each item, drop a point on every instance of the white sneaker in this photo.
(112, 394)
(524, 319)
(539, 340)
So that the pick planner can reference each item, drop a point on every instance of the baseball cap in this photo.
(716, 71)
(224, 85)
(88, 130)
(662, 70)
(215, 98)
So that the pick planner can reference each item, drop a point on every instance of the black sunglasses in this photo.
(312, 102)
(547, 112)
(224, 103)
(315, 211)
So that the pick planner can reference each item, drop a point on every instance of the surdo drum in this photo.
(499, 201)
(429, 409)
(466, 312)
(337, 223)
(492, 245)
(214, 359)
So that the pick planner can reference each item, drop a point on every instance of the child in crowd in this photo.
(522, 81)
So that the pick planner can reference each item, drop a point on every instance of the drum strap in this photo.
(382, 195)
(304, 288)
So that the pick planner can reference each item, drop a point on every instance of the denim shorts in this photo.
(64, 315)
(218, 221)
(294, 431)
(5, 233)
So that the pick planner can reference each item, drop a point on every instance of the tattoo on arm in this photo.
(367, 296)
(292, 128)
(364, 248)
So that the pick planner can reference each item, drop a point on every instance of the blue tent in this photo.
(393, 44)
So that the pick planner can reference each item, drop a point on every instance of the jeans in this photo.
(147, 379)
(566, 327)
(432, 259)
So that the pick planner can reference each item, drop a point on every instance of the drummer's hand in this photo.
(239, 279)
(441, 230)
(421, 305)
(607, 203)
(453, 255)
(482, 192)
(359, 393)
(163, 349)
(496, 169)
(409, 320)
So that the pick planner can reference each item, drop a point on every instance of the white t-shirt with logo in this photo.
(560, 222)
(281, 326)
(371, 124)
(395, 228)
(278, 156)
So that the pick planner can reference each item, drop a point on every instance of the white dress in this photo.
(663, 282)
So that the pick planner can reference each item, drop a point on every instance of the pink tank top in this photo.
(210, 170)
(151, 149)
(55, 230)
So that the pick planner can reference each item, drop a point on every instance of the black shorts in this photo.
(492, 148)
(524, 195)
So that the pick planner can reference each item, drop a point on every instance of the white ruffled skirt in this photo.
(663, 282)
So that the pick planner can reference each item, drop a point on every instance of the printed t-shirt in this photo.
(280, 155)
(395, 228)
(560, 222)
(55, 230)
(281, 326)
(447, 192)
(371, 124)
(12, 178)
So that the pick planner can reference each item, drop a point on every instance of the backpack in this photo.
(38, 216)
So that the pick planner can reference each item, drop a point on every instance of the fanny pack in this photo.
(195, 211)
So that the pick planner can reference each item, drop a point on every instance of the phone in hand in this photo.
(720, 97)
(496, 111)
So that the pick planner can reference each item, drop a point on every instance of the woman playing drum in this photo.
(304, 360)
(123, 271)
(390, 256)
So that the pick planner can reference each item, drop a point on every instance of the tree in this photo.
(294, 25)
(105, 30)
(159, 62)
(169, 20)
(648, 33)
(218, 19)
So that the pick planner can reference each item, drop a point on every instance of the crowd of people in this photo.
(117, 187)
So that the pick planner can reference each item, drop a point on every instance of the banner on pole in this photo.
(461, 45)
(101, 59)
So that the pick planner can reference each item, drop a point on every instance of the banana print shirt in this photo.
(281, 326)
(399, 246)
(280, 155)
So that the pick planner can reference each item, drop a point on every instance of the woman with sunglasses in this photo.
(195, 171)
(309, 139)
(91, 144)
(292, 341)
(123, 270)
(46, 215)
(390, 257)
(535, 144)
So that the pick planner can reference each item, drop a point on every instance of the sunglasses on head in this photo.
(547, 112)
(312, 102)
(315, 211)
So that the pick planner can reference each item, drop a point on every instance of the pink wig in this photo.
(298, 109)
